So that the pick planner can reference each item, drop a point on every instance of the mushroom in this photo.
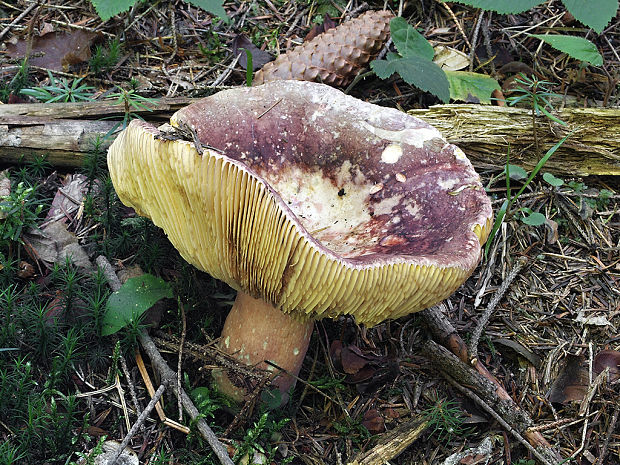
(311, 204)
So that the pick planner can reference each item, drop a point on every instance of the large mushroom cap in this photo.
(312, 200)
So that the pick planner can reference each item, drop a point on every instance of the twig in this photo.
(474, 41)
(132, 389)
(18, 19)
(484, 319)
(492, 397)
(481, 403)
(139, 422)
(180, 363)
(610, 430)
(166, 373)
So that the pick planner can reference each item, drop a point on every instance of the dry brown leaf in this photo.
(608, 359)
(373, 421)
(259, 57)
(56, 50)
(572, 381)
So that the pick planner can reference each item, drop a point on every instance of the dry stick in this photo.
(443, 331)
(139, 422)
(484, 319)
(482, 404)
(18, 19)
(496, 405)
(132, 389)
(180, 363)
(166, 373)
(610, 430)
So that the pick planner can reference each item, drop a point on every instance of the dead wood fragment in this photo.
(65, 133)
(485, 393)
(392, 443)
(484, 133)
(466, 369)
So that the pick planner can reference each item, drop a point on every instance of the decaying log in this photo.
(65, 131)
(484, 133)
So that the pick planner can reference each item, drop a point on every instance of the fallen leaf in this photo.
(352, 360)
(572, 381)
(317, 29)
(593, 320)
(450, 59)
(552, 231)
(608, 359)
(68, 198)
(373, 421)
(56, 50)
(519, 349)
(54, 244)
(259, 57)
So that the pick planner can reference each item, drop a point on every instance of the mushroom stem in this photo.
(256, 331)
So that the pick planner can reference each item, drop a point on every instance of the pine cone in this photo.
(335, 56)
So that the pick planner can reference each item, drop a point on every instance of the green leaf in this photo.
(503, 6)
(577, 47)
(471, 87)
(134, 298)
(516, 172)
(417, 71)
(108, 8)
(534, 219)
(551, 179)
(595, 14)
(212, 6)
(408, 41)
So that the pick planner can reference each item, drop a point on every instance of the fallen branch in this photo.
(466, 369)
(167, 375)
(66, 131)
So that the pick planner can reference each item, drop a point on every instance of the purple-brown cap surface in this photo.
(314, 201)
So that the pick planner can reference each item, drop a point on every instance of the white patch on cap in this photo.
(411, 136)
(392, 153)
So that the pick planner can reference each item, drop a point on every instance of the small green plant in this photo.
(105, 57)
(16, 84)
(594, 17)
(510, 199)
(108, 8)
(445, 420)
(264, 431)
(61, 90)
(135, 297)
(131, 102)
(535, 94)
(414, 63)
(19, 211)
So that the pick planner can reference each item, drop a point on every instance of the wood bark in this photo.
(485, 132)
(66, 131)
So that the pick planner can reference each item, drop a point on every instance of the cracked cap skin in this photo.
(314, 201)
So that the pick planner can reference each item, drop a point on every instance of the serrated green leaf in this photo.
(577, 47)
(134, 298)
(503, 6)
(516, 172)
(108, 8)
(468, 86)
(595, 14)
(534, 219)
(417, 71)
(408, 41)
(551, 179)
(212, 6)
